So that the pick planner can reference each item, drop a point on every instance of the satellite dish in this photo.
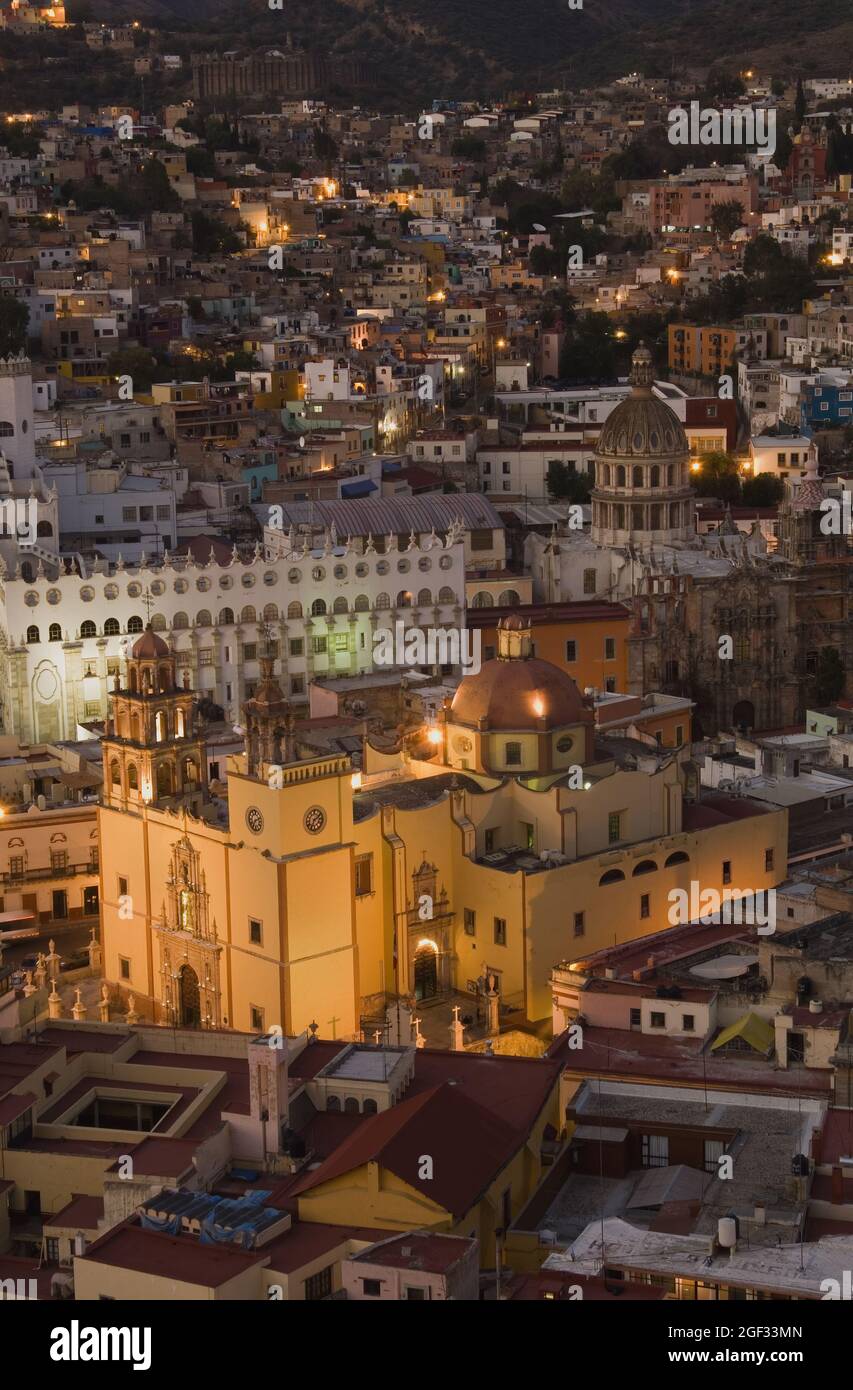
(537, 227)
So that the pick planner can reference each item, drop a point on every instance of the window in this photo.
(122, 887)
(768, 860)
(128, 513)
(679, 735)
(688, 1022)
(318, 646)
(589, 581)
(255, 931)
(481, 540)
(54, 633)
(610, 649)
(513, 754)
(500, 931)
(658, 1020)
(645, 905)
(610, 685)
(714, 1150)
(297, 685)
(16, 866)
(88, 629)
(416, 1293)
(58, 860)
(257, 1018)
(319, 1285)
(614, 827)
(727, 871)
(655, 1149)
(363, 875)
(571, 651)
(636, 1018)
(372, 1287)
(123, 968)
(470, 919)
(579, 924)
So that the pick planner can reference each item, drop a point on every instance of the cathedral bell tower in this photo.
(153, 752)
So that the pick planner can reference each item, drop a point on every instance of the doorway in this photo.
(60, 904)
(90, 901)
(426, 973)
(190, 1001)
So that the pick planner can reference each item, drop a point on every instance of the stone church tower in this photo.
(153, 751)
(642, 492)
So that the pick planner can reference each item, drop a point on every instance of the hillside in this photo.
(466, 47)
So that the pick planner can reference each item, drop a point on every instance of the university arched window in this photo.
(382, 601)
(340, 605)
(362, 603)
(404, 599)
(134, 624)
(33, 634)
(88, 629)
(111, 627)
(446, 595)
(333, 1103)
(655, 476)
(54, 633)
(483, 600)
(132, 777)
(226, 617)
(425, 598)
(249, 615)
(645, 866)
(637, 476)
(294, 610)
(270, 612)
(160, 725)
(620, 476)
(44, 528)
(612, 876)
(202, 618)
(180, 620)
(165, 678)
(509, 599)
(318, 608)
(351, 1106)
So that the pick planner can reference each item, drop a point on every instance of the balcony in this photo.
(9, 879)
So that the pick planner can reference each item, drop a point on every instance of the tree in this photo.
(14, 317)
(589, 352)
(764, 490)
(800, 105)
(469, 147)
(718, 477)
(567, 485)
(212, 236)
(135, 362)
(831, 678)
(726, 218)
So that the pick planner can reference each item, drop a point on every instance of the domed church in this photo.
(642, 469)
(518, 716)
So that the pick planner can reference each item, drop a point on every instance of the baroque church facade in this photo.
(738, 629)
(310, 893)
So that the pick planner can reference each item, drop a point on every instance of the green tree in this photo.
(800, 104)
(726, 218)
(14, 317)
(469, 147)
(764, 490)
(135, 362)
(589, 352)
(212, 236)
(717, 477)
(565, 485)
(831, 678)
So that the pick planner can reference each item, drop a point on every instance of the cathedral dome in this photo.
(643, 425)
(517, 691)
(149, 646)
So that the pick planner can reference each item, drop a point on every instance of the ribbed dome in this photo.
(149, 645)
(516, 694)
(643, 425)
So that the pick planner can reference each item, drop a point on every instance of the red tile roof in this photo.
(468, 1145)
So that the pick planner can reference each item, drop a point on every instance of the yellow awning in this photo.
(755, 1031)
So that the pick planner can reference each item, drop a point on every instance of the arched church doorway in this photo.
(426, 973)
(743, 716)
(190, 1003)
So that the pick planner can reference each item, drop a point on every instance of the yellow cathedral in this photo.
(509, 840)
